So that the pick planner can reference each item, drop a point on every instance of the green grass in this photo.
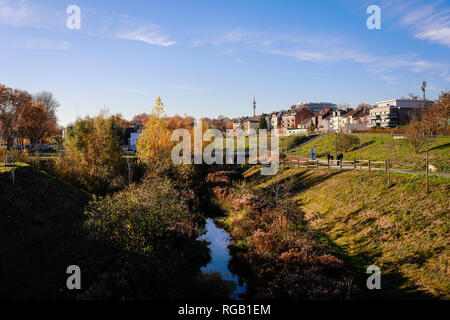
(375, 147)
(7, 169)
(402, 230)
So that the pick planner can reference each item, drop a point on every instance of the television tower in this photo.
(254, 106)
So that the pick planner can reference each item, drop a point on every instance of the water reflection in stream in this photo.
(220, 256)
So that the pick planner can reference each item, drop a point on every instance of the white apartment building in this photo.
(393, 113)
(336, 120)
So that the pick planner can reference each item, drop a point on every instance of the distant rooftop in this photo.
(315, 104)
(403, 100)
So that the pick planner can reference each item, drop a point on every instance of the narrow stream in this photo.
(220, 256)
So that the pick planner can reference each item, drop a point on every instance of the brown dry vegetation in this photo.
(402, 230)
(274, 249)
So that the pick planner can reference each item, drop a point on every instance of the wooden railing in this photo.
(301, 162)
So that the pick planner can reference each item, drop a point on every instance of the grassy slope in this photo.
(375, 148)
(39, 237)
(403, 231)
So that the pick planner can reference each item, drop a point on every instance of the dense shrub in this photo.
(135, 219)
(154, 232)
(92, 158)
(346, 141)
(3, 153)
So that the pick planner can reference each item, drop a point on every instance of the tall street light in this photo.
(424, 85)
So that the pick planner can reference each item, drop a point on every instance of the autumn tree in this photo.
(140, 120)
(38, 122)
(344, 106)
(220, 123)
(364, 105)
(154, 143)
(416, 135)
(428, 121)
(178, 122)
(13, 103)
(119, 120)
(120, 125)
(47, 98)
(436, 117)
(93, 157)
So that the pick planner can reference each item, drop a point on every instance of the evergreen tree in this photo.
(262, 122)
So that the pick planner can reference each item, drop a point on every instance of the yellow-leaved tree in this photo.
(93, 157)
(155, 143)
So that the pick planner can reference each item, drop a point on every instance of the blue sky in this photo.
(208, 58)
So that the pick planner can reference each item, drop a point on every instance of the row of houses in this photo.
(324, 117)
(327, 117)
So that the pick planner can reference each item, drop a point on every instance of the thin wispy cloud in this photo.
(45, 44)
(149, 34)
(430, 22)
(439, 35)
(234, 36)
(22, 13)
(390, 79)
(323, 49)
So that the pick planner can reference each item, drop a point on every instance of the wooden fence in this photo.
(301, 162)
(304, 162)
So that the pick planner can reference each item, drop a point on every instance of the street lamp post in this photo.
(335, 146)
(424, 85)
(360, 162)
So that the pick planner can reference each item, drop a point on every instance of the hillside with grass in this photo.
(402, 230)
(375, 147)
(40, 232)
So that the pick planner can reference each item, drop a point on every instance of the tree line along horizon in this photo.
(92, 146)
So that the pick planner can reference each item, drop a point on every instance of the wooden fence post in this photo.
(369, 165)
(354, 164)
(389, 174)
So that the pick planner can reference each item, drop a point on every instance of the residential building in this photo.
(358, 115)
(321, 119)
(238, 123)
(252, 123)
(268, 121)
(336, 120)
(393, 113)
(355, 119)
(293, 118)
(275, 119)
(246, 124)
(315, 107)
